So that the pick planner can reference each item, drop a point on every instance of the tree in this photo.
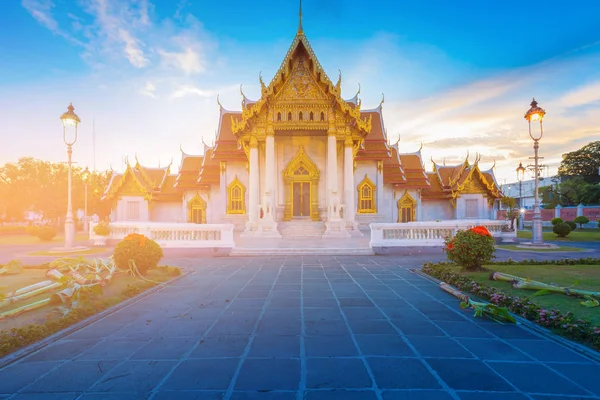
(583, 162)
(41, 187)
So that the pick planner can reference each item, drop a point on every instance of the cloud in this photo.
(41, 11)
(192, 90)
(585, 94)
(189, 60)
(132, 50)
(149, 90)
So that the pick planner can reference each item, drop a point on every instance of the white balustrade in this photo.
(429, 233)
(174, 234)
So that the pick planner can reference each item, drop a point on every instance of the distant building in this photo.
(527, 196)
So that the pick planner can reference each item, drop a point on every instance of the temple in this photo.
(302, 156)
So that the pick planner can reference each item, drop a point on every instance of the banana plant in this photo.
(498, 314)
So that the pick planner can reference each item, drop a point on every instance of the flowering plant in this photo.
(145, 252)
(471, 249)
(563, 323)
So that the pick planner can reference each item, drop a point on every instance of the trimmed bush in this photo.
(102, 229)
(572, 225)
(555, 221)
(562, 229)
(145, 252)
(581, 220)
(471, 248)
(599, 224)
(46, 233)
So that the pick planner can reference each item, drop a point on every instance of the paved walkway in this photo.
(311, 328)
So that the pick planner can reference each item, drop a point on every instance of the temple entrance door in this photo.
(301, 199)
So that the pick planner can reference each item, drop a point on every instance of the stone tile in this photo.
(491, 396)
(468, 375)
(510, 332)
(325, 302)
(221, 346)
(275, 346)
(355, 302)
(546, 350)
(423, 328)
(97, 330)
(535, 378)
(164, 349)
(329, 346)
(383, 345)
(416, 395)
(587, 376)
(255, 395)
(17, 375)
(340, 394)
(372, 326)
(325, 328)
(211, 374)
(336, 373)
(269, 374)
(438, 347)
(72, 376)
(45, 396)
(232, 326)
(114, 396)
(62, 350)
(191, 395)
(401, 373)
(253, 294)
(285, 303)
(275, 326)
(322, 314)
(134, 376)
(552, 397)
(462, 329)
(113, 349)
(441, 313)
(247, 303)
(493, 349)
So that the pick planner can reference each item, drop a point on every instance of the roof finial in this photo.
(218, 102)
(421, 148)
(382, 99)
(494, 166)
(398, 141)
(300, 30)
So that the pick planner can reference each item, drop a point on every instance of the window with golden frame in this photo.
(407, 208)
(197, 210)
(236, 193)
(366, 197)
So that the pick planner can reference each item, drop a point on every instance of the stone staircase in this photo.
(301, 229)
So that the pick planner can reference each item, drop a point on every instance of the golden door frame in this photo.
(301, 160)
(407, 201)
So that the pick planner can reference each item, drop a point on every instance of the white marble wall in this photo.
(119, 212)
(433, 210)
(167, 212)
(484, 209)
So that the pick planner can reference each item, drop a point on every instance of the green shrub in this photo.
(572, 225)
(555, 221)
(33, 230)
(562, 229)
(46, 233)
(581, 220)
(471, 248)
(102, 229)
(145, 252)
(599, 223)
(13, 230)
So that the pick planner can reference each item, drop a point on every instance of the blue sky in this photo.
(457, 76)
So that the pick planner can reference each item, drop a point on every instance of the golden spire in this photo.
(300, 30)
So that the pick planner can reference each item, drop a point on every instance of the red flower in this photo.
(481, 230)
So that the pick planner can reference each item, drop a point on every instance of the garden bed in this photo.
(563, 314)
(30, 327)
(578, 235)
(514, 247)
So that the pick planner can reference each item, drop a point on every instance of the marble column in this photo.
(335, 226)
(253, 186)
(349, 207)
(270, 170)
(331, 166)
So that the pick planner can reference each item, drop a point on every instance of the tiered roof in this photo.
(152, 183)
(449, 181)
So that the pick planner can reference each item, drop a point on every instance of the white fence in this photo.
(174, 234)
(430, 233)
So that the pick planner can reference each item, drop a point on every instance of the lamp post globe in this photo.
(70, 122)
(535, 115)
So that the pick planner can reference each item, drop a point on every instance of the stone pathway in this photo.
(311, 328)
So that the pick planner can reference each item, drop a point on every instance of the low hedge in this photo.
(562, 323)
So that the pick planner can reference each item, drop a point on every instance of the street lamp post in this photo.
(70, 122)
(520, 177)
(85, 176)
(533, 115)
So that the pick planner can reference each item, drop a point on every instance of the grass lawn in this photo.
(587, 276)
(115, 292)
(578, 235)
(517, 248)
(94, 250)
(24, 239)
